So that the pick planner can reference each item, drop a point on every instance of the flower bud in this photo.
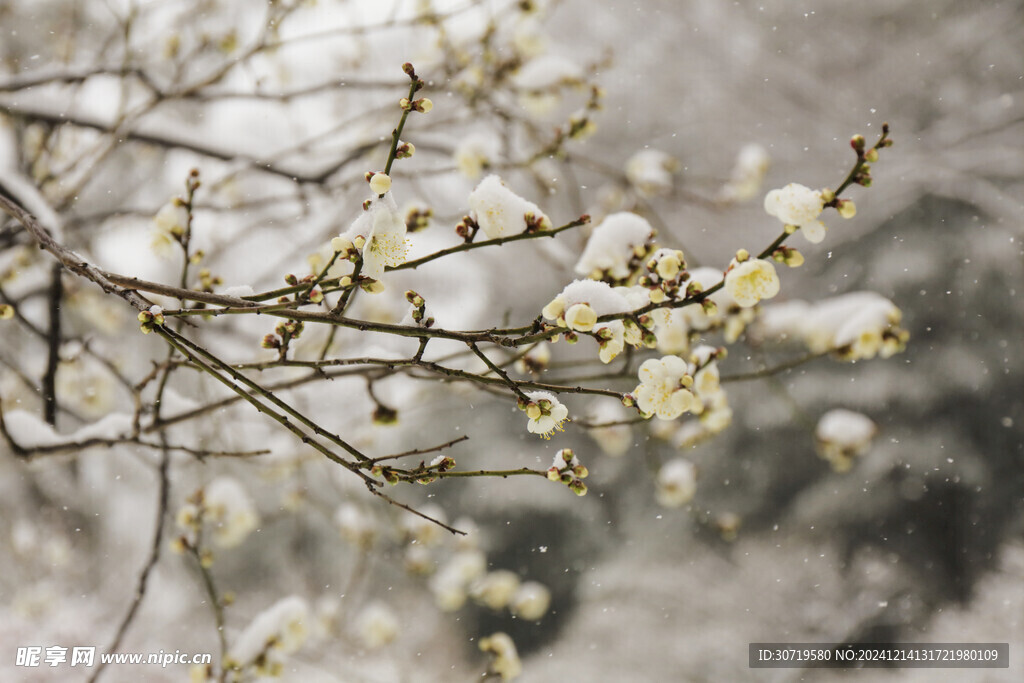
(846, 208)
(380, 183)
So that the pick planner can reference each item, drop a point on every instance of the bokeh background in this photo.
(921, 541)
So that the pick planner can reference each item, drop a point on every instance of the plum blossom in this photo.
(676, 483)
(582, 301)
(500, 212)
(545, 413)
(618, 239)
(506, 662)
(476, 152)
(751, 280)
(376, 625)
(227, 506)
(842, 435)
(857, 325)
(751, 165)
(531, 601)
(664, 387)
(650, 171)
(280, 630)
(382, 230)
(797, 205)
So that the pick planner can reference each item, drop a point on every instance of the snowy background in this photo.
(921, 541)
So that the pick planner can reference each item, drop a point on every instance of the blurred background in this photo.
(106, 105)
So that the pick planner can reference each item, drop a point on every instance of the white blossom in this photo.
(495, 589)
(279, 630)
(356, 525)
(582, 301)
(506, 662)
(531, 601)
(500, 212)
(476, 152)
(650, 171)
(676, 483)
(229, 509)
(450, 584)
(842, 435)
(797, 205)
(663, 388)
(383, 230)
(752, 164)
(376, 625)
(613, 244)
(750, 281)
(172, 218)
(545, 414)
(614, 439)
(857, 325)
(547, 72)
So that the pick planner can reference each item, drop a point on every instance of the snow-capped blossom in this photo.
(863, 334)
(664, 387)
(476, 152)
(450, 584)
(567, 469)
(619, 239)
(506, 662)
(546, 73)
(676, 483)
(842, 435)
(650, 171)
(750, 281)
(376, 625)
(696, 317)
(419, 530)
(545, 413)
(751, 166)
(383, 232)
(495, 589)
(500, 212)
(531, 601)
(357, 526)
(858, 325)
(172, 218)
(279, 630)
(227, 506)
(613, 439)
(666, 263)
(797, 205)
(582, 301)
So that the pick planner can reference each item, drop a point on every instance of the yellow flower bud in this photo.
(380, 183)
